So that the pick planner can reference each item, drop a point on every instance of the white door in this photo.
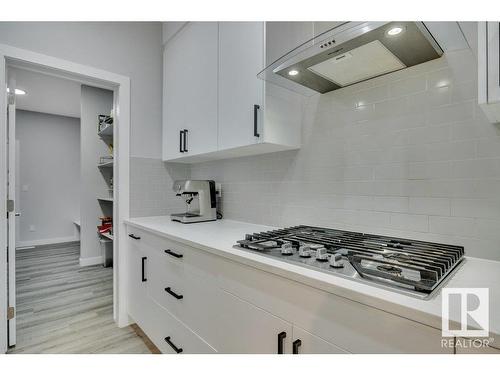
(241, 58)
(11, 223)
(190, 91)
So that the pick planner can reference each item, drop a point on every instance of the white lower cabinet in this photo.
(171, 336)
(137, 298)
(246, 328)
(185, 298)
(185, 294)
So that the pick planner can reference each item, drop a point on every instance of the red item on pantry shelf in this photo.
(105, 228)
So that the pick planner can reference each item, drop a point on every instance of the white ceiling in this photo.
(46, 93)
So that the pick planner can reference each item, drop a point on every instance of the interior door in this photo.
(11, 223)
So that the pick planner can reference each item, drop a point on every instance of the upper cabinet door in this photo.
(241, 58)
(190, 91)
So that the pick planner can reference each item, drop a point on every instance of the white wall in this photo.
(94, 102)
(133, 49)
(409, 154)
(48, 178)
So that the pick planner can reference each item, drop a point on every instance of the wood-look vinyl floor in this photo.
(65, 308)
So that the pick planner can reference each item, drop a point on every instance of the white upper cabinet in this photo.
(211, 89)
(241, 93)
(488, 55)
(190, 91)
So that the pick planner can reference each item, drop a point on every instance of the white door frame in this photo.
(120, 85)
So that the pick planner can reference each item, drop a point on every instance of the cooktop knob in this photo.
(321, 254)
(336, 261)
(304, 251)
(286, 249)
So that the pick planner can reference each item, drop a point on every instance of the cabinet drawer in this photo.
(200, 261)
(162, 325)
(186, 294)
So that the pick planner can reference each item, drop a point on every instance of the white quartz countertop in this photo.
(220, 236)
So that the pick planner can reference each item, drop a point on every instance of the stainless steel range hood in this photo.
(352, 52)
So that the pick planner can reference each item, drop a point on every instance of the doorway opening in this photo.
(58, 236)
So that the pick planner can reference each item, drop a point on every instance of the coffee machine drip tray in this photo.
(188, 217)
(185, 214)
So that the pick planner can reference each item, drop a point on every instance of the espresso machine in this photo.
(200, 197)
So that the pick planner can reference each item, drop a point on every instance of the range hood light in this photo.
(17, 91)
(293, 72)
(394, 31)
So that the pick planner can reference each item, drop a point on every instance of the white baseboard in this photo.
(46, 241)
(90, 261)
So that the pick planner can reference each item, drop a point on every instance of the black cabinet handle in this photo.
(185, 140)
(134, 236)
(256, 108)
(281, 338)
(172, 345)
(295, 346)
(172, 293)
(143, 274)
(181, 133)
(176, 255)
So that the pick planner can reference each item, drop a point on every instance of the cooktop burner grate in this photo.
(406, 264)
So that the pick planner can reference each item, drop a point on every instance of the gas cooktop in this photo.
(413, 267)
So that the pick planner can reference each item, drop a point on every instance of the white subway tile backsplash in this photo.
(488, 147)
(450, 113)
(487, 228)
(391, 172)
(429, 170)
(407, 154)
(430, 206)
(429, 134)
(458, 226)
(390, 204)
(407, 86)
(476, 168)
(151, 183)
(481, 208)
(416, 223)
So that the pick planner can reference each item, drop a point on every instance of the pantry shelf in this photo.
(107, 131)
(105, 199)
(108, 164)
(107, 235)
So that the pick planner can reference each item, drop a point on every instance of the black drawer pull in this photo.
(131, 235)
(176, 255)
(172, 345)
(172, 293)
(295, 346)
(143, 260)
(281, 338)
